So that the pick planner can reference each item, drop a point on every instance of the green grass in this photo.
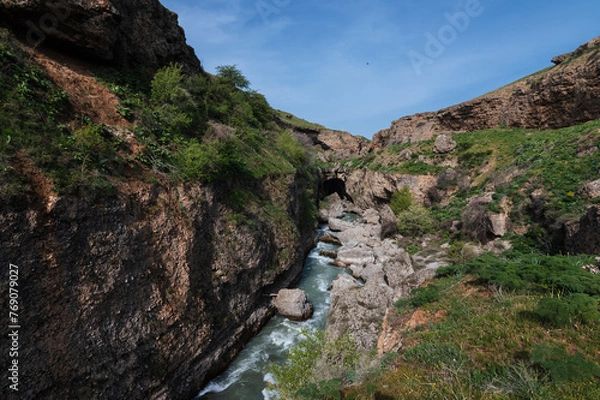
(291, 119)
(481, 343)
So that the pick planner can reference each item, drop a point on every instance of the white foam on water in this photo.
(283, 340)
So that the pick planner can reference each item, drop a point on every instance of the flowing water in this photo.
(246, 377)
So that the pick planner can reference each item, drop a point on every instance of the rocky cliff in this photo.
(564, 95)
(149, 283)
(132, 33)
(146, 294)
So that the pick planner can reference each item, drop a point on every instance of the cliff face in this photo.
(565, 95)
(132, 33)
(146, 294)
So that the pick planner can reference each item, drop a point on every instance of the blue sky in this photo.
(358, 65)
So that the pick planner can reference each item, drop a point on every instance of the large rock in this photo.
(355, 254)
(374, 189)
(583, 236)
(341, 145)
(444, 144)
(358, 311)
(591, 190)
(293, 304)
(338, 225)
(135, 33)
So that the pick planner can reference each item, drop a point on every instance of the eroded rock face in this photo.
(583, 236)
(135, 33)
(374, 189)
(147, 294)
(566, 95)
(293, 304)
(341, 145)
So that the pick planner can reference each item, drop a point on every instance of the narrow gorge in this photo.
(154, 211)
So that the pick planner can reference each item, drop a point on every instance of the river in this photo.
(246, 377)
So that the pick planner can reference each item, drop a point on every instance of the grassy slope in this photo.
(480, 341)
(514, 163)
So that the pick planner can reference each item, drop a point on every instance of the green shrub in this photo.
(232, 74)
(521, 381)
(568, 310)
(291, 149)
(298, 376)
(425, 295)
(401, 200)
(415, 221)
(534, 272)
(563, 368)
(217, 161)
(413, 249)
(326, 390)
(166, 85)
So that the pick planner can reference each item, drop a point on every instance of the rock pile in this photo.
(381, 272)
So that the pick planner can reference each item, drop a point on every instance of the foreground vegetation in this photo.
(519, 326)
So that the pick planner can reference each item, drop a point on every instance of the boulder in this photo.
(583, 236)
(444, 144)
(293, 304)
(359, 311)
(591, 190)
(330, 238)
(483, 199)
(498, 224)
(355, 254)
(335, 209)
(338, 225)
(343, 282)
(370, 235)
(389, 222)
(405, 155)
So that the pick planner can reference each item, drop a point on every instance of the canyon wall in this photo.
(148, 293)
(564, 95)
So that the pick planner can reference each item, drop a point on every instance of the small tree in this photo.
(401, 200)
(166, 84)
(234, 75)
(416, 221)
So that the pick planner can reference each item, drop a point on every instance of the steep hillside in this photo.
(149, 216)
(564, 95)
